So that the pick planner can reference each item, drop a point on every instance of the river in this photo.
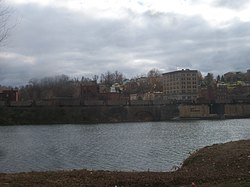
(154, 146)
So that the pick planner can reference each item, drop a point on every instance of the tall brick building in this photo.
(182, 85)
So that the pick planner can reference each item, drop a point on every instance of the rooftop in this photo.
(180, 71)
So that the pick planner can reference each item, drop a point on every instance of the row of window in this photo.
(188, 97)
(182, 79)
(177, 87)
(183, 83)
(180, 92)
(182, 75)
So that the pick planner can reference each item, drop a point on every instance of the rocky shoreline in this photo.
(225, 164)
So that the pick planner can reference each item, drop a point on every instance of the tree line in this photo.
(64, 86)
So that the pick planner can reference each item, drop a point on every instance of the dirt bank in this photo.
(218, 165)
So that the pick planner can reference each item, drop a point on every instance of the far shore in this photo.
(110, 114)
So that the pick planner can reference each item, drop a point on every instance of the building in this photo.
(182, 85)
(89, 91)
(207, 94)
(234, 76)
(116, 88)
(222, 93)
(248, 76)
(8, 95)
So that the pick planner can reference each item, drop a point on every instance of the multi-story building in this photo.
(233, 77)
(182, 85)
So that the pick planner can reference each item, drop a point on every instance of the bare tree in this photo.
(155, 80)
(208, 80)
(48, 87)
(110, 78)
(4, 21)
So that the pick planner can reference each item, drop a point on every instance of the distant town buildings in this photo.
(237, 76)
(182, 86)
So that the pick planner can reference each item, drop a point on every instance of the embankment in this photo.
(86, 114)
(118, 113)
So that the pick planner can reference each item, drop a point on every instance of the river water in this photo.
(154, 146)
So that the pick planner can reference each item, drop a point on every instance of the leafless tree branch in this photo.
(4, 18)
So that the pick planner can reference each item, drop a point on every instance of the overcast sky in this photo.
(88, 37)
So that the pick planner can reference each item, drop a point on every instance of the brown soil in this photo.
(220, 165)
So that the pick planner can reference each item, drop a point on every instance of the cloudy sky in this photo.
(88, 37)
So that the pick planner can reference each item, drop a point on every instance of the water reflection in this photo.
(156, 146)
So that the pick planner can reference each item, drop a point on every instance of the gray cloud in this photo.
(50, 41)
(231, 4)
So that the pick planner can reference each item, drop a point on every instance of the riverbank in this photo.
(86, 114)
(217, 165)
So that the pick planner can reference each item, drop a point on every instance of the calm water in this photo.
(157, 146)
